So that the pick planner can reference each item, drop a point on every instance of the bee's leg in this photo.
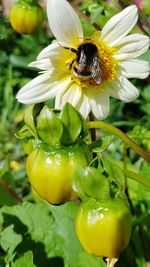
(70, 48)
(86, 38)
(70, 66)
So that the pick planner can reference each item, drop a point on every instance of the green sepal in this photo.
(49, 127)
(29, 120)
(27, 3)
(84, 131)
(99, 146)
(90, 183)
(53, 127)
(24, 133)
(30, 144)
(29, 141)
(114, 174)
(72, 124)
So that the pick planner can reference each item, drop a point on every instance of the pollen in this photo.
(107, 62)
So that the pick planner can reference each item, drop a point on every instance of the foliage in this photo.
(32, 232)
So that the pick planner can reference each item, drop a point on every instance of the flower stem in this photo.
(111, 262)
(125, 174)
(137, 177)
(123, 136)
(93, 130)
(11, 191)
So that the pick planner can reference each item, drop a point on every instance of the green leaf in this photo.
(88, 29)
(8, 177)
(115, 174)
(138, 192)
(26, 260)
(9, 240)
(140, 134)
(6, 198)
(49, 232)
(19, 61)
(35, 224)
(29, 120)
(3, 167)
(146, 91)
(99, 146)
(146, 108)
(146, 56)
(89, 182)
(72, 124)
(101, 13)
(49, 127)
(96, 14)
(84, 130)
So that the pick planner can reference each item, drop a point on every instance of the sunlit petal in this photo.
(135, 68)
(51, 50)
(43, 64)
(84, 106)
(124, 90)
(99, 102)
(72, 95)
(64, 22)
(41, 89)
(120, 25)
(132, 46)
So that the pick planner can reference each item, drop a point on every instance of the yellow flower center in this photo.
(93, 63)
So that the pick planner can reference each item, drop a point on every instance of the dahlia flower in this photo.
(86, 72)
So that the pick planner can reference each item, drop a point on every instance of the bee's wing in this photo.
(82, 61)
(96, 70)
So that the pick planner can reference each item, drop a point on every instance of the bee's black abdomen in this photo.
(83, 72)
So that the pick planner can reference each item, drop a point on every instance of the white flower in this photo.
(91, 69)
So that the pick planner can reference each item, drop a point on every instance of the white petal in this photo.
(53, 56)
(135, 68)
(99, 102)
(84, 106)
(51, 50)
(132, 46)
(120, 25)
(43, 64)
(58, 100)
(39, 80)
(72, 95)
(124, 90)
(64, 22)
(42, 88)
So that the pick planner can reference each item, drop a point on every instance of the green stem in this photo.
(137, 177)
(119, 133)
(125, 171)
(125, 156)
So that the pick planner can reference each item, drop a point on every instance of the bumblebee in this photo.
(86, 64)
